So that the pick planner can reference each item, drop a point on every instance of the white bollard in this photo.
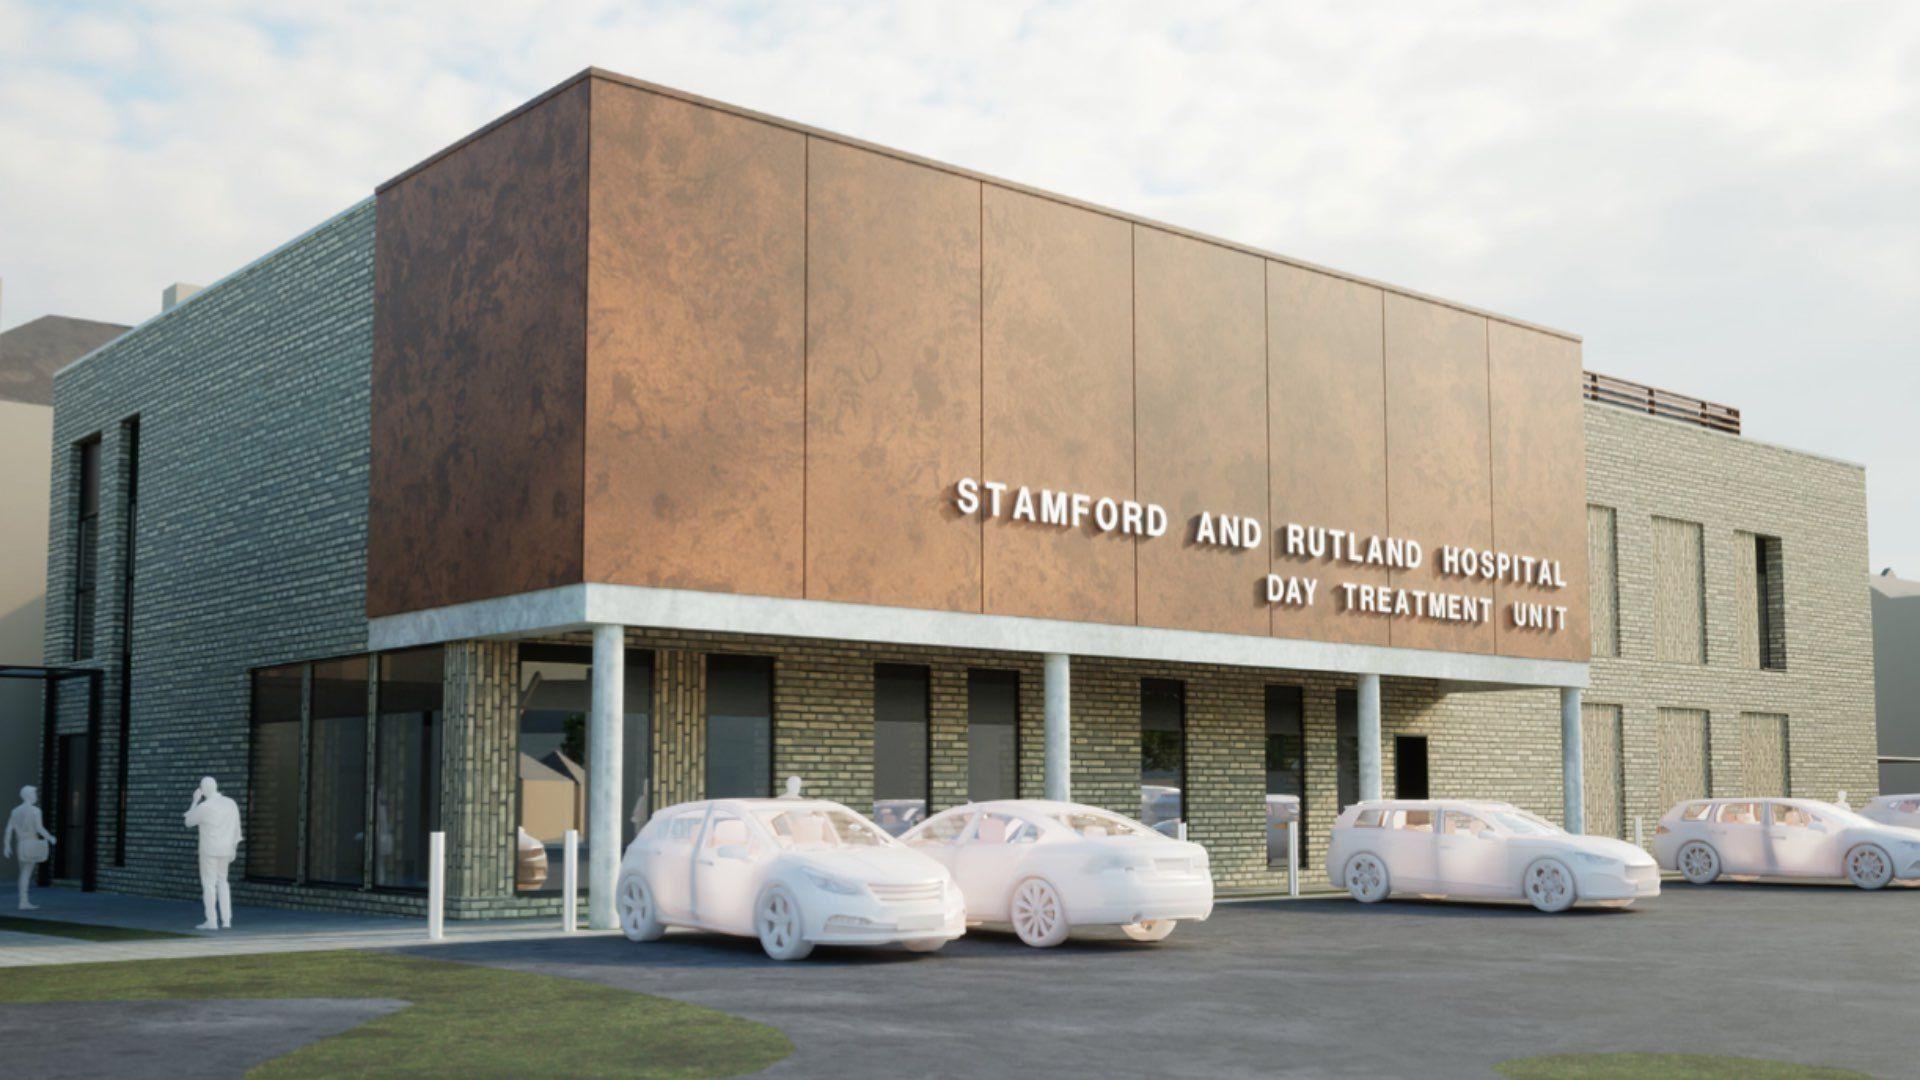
(570, 890)
(1293, 858)
(436, 886)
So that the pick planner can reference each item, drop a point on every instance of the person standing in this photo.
(218, 819)
(35, 840)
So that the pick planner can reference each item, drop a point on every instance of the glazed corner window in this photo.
(1770, 602)
(273, 775)
(556, 698)
(406, 754)
(337, 773)
(900, 779)
(1286, 769)
(739, 727)
(86, 547)
(993, 735)
(1163, 730)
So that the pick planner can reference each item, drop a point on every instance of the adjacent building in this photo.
(637, 448)
(1896, 655)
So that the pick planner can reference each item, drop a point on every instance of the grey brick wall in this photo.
(251, 546)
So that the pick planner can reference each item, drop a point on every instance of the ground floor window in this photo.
(1163, 757)
(1410, 767)
(739, 726)
(406, 788)
(901, 709)
(1286, 769)
(993, 734)
(273, 774)
(556, 699)
(337, 773)
(1346, 747)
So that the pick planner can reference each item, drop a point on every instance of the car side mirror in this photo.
(737, 852)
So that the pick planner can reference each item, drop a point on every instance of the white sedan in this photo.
(1792, 838)
(1046, 867)
(1481, 850)
(1901, 810)
(793, 872)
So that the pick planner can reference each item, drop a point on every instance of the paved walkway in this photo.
(256, 930)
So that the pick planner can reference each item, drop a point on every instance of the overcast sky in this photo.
(1723, 199)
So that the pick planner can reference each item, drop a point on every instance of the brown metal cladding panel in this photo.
(1200, 366)
(478, 367)
(1539, 484)
(1438, 458)
(893, 380)
(696, 366)
(1057, 376)
(1329, 422)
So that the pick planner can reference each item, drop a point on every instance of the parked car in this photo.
(793, 872)
(1791, 838)
(1901, 810)
(1047, 867)
(1481, 850)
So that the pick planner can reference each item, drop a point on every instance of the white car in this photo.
(1901, 810)
(1481, 850)
(1793, 838)
(1046, 867)
(793, 872)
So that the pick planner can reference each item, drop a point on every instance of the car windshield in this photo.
(1093, 824)
(1840, 815)
(812, 828)
(1521, 823)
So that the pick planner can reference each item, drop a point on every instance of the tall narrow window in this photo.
(1286, 769)
(273, 775)
(406, 788)
(130, 506)
(1346, 747)
(993, 735)
(739, 726)
(1163, 753)
(1410, 767)
(337, 773)
(1770, 603)
(86, 548)
(900, 714)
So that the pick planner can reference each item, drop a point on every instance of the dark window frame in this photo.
(1176, 688)
(1011, 678)
(1400, 759)
(772, 666)
(924, 673)
(130, 507)
(1770, 601)
(86, 545)
(433, 754)
(1299, 695)
(254, 676)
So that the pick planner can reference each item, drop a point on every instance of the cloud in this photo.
(1719, 197)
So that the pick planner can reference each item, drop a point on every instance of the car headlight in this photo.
(829, 883)
(1595, 860)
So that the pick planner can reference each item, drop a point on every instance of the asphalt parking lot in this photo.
(1325, 987)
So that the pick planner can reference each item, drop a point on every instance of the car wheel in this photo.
(639, 919)
(1367, 878)
(925, 944)
(1148, 929)
(1869, 867)
(1549, 885)
(1698, 863)
(778, 921)
(1038, 915)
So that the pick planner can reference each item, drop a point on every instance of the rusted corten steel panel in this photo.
(1539, 486)
(478, 373)
(696, 361)
(1329, 430)
(1200, 372)
(893, 380)
(1057, 382)
(625, 335)
(1438, 459)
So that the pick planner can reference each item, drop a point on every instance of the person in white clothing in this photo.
(218, 819)
(35, 840)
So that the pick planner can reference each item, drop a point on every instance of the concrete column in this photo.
(1572, 768)
(1369, 702)
(1059, 728)
(605, 725)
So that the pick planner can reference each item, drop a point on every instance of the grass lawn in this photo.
(81, 931)
(463, 1019)
(1665, 1067)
